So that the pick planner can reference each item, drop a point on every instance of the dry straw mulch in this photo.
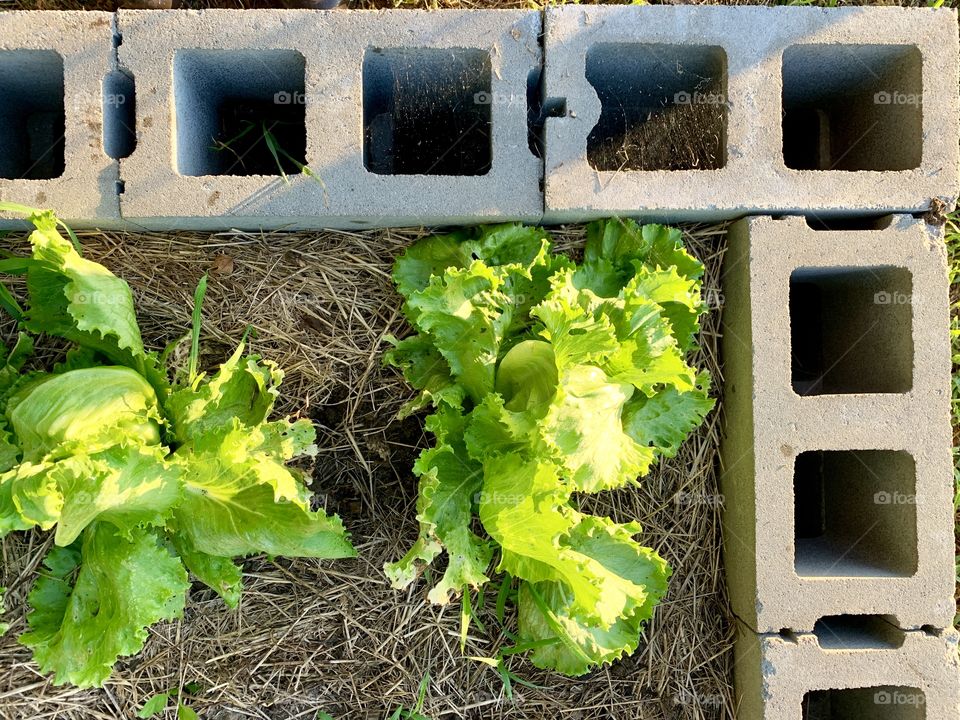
(333, 636)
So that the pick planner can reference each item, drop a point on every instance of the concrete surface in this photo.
(52, 66)
(910, 675)
(836, 464)
(187, 62)
(833, 111)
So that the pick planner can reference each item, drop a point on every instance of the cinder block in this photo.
(52, 70)
(403, 117)
(704, 112)
(836, 464)
(848, 674)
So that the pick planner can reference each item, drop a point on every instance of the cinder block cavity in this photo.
(426, 111)
(32, 119)
(912, 676)
(905, 703)
(239, 112)
(852, 107)
(662, 107)
(850, 330)
(854, 513)
(119, 114)
(836, 459)
(858, 632)
(699, 112)
(52, 103)
(380, 119)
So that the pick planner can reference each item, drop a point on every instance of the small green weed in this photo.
(159, 702)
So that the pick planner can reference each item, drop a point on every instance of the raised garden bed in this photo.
(333, 636)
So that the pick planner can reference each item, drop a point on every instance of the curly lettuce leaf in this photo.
(615, 247)
(449, 485)
(506, 244)
(10, 518)
(244, 388)
(84, 411)
(583, 427)
(127, 486)
(547, 611)
(220, 574)
(83, 302)
(427, 371)
(527, 511)
(464, 313)
(665, 420)
(95, 600)
(240, 498)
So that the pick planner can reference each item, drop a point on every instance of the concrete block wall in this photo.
(403, 117)
(704, 112)
(836, 469)
(852, 673)
(53, 67)
(409, 118)
(836, 462)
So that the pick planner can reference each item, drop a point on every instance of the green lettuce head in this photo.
(85, 410)
(548, 379)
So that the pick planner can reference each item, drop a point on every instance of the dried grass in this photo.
(319, 635)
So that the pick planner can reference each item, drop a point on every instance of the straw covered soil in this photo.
(313, 636)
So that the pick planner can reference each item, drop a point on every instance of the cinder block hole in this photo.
(239, 112)
(119, 114)
(427, 111)
(852, 107)
(663, 107)
(881, 702)
(858, 632)
(32, 115)
(855, 513)
(851, 330)
(870, 222)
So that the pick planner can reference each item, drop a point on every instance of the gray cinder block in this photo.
(52, 68)
(700, 112)
(404, 118)
(836, 464)
(848, 673)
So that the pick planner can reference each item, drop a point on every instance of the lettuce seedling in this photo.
(142, 478)
(548, 379)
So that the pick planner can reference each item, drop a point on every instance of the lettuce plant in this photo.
(548, 379)
(141, 478)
